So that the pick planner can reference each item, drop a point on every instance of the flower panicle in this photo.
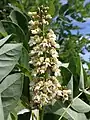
(44, 58)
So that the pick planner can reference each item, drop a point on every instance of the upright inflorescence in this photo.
(44, 60)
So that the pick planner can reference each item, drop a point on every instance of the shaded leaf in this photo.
(11, 27)
(63, 9)
(20, 19)
(2, 30)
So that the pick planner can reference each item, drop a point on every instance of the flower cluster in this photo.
(45, 91)
(44, 58)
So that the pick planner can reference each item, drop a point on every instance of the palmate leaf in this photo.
(9, 56)
(70, 114)
(59, 108)
(14, 28)
(80, 106)
(10, 90)
(20, 19)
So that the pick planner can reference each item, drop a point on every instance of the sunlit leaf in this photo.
(9, 56)
(80, 106)
(11, 89)
(1, 109)
(2, 41)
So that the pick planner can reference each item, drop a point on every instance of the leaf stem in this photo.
(41, 113)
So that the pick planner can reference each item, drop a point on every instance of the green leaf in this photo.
(24, 60)
(70, 114)
(9, 56)
(59, 108)
(2, 41)
(11, 92)
(80, 106)
(1, 109)
(9, 117)
(12, 116)
(63, 9)
(51, 7)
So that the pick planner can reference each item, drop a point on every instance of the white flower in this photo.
(54, 53)
(57, 72)
(40, 53)
(30, 62)
(36, 31)
(59, 93)
(46, 8)
(40, 83)
(32, 52)
(38, 63)
(58, 63)
(37, 39)
(41, 59)
(46, 64)
(45, 22)
(37, 88)
(57, 45)
(51, 35)
(52, 41)
(48, 16)
(44, 45)
(47, 60)
(36, 48)
(42, 70)
(32, 13)
(31, 22)
(36, 98)
(31, 42)
(66, 91)
(65, 96)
